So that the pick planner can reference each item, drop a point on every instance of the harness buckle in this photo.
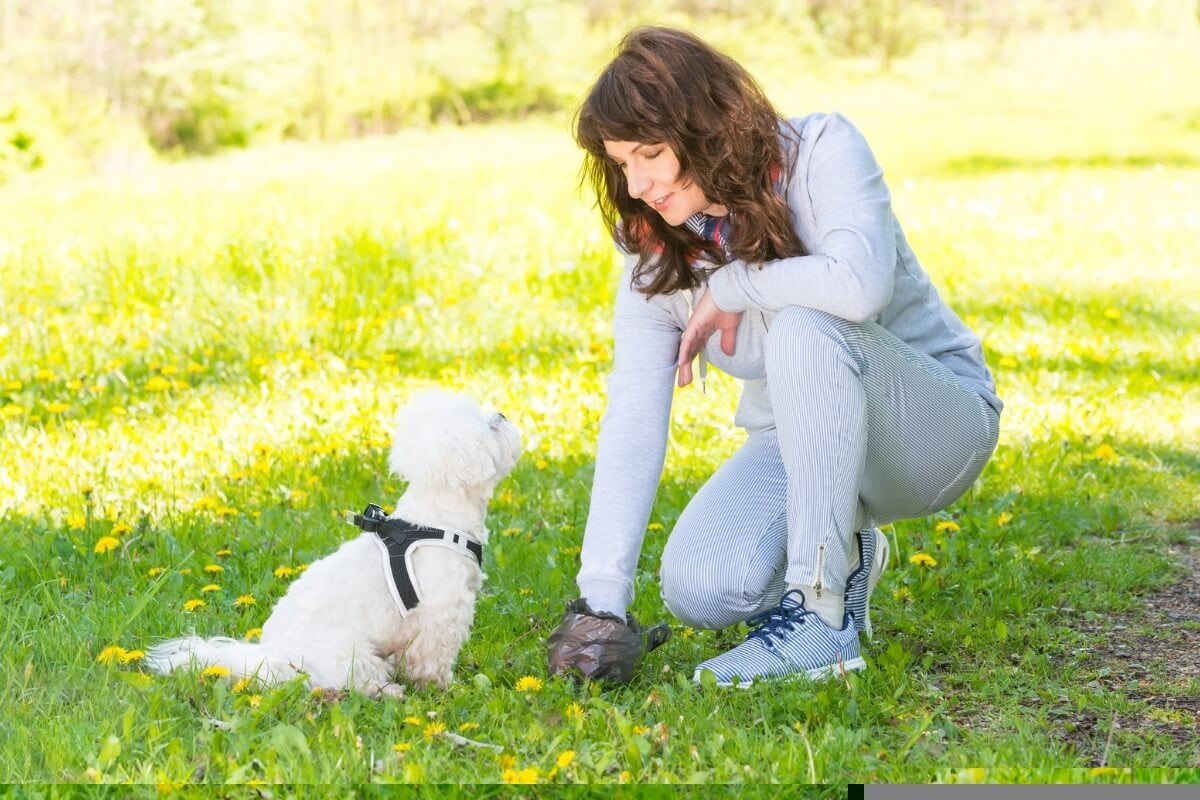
(368, 520)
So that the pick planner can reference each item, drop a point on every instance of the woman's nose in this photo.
(638, 184)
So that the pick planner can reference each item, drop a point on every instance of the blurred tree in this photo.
(197, 75)
(888, 29)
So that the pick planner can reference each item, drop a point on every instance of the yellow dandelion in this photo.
(640, 729)
(623, 777)
(542, 463)
(106, 544)
(75, 385)
(1112, 313)
(529, 684)
(467, 726)
(524, 591)
(903, 594)
(299, 495)
(13, 385)
(213, 569)
(529, 775)
(121, 528)
(224, 552)
(111, 654)
(44, 374)
(507, 761)
(654, 526)
(1106, 454)
(253, 633)
(432, 730)
(192, 605)
(241, 685)
(157, 384)
(154, 572)
(131, 656)
(1008, 362)
(169, 369)
(57, 407)
(185, 571)
(1004, 518)
(575, 711)
(300, 568)
(226, 511)
(205, 504)
(254, 700)
(947, 525)
(212, 587)
(216, 672)
(922, 560)
(402, 747)
(245, 600)
(76, 522)
(565, 758)
(413, 721)
(195, 369)
(12, 410)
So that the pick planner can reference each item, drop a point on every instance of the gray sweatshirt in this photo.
(860, 268)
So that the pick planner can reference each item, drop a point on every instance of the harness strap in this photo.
(398, 538)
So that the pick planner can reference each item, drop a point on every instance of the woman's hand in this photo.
(706, 320)
(600, 646)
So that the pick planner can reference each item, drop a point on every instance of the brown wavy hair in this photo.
(669, 86)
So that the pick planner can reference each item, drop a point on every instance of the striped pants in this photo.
(867, 430)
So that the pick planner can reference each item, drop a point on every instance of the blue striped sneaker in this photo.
(789, 641)
(872, 561)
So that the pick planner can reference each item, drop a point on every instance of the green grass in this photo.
(206, 359)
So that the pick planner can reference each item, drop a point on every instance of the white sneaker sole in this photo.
(882, 550)
(816, 674)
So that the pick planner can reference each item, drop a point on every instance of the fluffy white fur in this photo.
(338, 623)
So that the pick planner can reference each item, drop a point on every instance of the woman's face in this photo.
(652, 175)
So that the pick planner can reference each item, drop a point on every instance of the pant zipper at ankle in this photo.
(820, 568)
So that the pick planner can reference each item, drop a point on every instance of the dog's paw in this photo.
(393, 690)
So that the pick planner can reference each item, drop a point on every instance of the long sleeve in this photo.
(631, 448)
(842, 210)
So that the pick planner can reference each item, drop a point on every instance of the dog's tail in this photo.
(242, 659)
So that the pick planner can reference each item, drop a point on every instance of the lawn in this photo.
(198, 365)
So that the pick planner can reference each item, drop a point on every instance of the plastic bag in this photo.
(600, 646)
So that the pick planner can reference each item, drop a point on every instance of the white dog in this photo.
(402, 595)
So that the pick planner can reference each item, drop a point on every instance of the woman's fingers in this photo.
(729, 337)
(693, 339)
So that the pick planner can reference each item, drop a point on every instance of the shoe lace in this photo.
(775, 623)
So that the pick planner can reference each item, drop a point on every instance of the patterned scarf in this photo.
(716, 229)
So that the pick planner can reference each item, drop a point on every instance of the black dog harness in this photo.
(398, 538)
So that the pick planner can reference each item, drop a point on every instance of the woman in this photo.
(866, 399)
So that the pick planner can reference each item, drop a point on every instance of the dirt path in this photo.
(1153, 656)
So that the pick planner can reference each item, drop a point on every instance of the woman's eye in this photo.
(655, 154)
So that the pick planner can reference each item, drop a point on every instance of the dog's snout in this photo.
(500, 416)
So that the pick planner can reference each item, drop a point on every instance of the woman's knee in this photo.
(800, 324)
(707, 593)
(800, 338)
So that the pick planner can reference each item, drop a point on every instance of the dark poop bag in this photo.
(599, 645)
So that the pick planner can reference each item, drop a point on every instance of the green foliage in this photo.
(197, 76)
(197, 370)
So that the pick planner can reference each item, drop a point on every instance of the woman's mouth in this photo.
(663, 201)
